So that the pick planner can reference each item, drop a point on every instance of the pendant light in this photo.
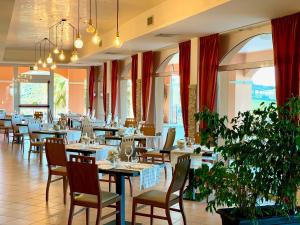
(74, 56)
(40, 59)
(90, 28)
(53, 66)
(78, 42)
(117, 42)
(44, 65)
(56, 50)
(96, 39)
(62, 55)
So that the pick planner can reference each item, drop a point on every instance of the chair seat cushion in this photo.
(39, 143)
(59, 170)
(155, 197)
(107, 198)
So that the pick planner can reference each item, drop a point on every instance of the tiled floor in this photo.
(22, 196)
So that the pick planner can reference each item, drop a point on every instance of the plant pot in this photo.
(229, 219)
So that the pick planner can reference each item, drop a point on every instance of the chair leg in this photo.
(130, 185)
(29, 152)
(133, 212)
(166, 172)
(41, 154)
(168, 216)
(87, 216)
(182, 211)
(65, 186)
(151, 215)
(71, 214)
(109, 182)
(48, 187)
(98, 217)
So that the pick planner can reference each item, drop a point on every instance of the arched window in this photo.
(168, 91)
(126, 107)
(246, 76)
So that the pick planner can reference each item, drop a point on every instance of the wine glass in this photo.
(128, 152)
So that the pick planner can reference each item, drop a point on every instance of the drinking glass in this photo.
(128, 152)
(134, 159)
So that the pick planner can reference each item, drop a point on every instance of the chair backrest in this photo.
(56, 152)
(34, 126)
(16, 119)
(180, 174)
(130, 122)
(83, 175)
(87, 129)
(127, 142)
(38, 115)
(170, 139)
(148, 129)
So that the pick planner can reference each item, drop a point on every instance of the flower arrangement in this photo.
(113, 155)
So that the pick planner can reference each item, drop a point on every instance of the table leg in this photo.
(120, 189)
(190, 192)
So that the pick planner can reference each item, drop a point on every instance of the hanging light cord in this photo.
(90, 9)
(62, 33)
(78, 19)
(96, 15)
(117, 16)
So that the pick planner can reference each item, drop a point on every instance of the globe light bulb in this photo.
(35, 67)
(40, 61)
(53, 66)
(117, 41)
(44, 65)
(62, 55)
(96, 39)
(90, 28)
(78, 43)
(56, 50)
(49, 59)
(74, 56)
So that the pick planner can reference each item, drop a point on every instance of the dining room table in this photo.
(113, 130)
(205, 156)
(127, 169)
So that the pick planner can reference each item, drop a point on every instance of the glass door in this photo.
(34, 97)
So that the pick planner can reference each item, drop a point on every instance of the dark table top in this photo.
(120, 172)
(114, 129)
(56, 132)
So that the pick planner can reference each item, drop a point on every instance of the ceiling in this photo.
(27, 21)
(32, 18)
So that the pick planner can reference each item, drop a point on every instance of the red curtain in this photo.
(184, 73)
(134, 71)
(286, 45)
(208, 70)
(114, 87)
(91, 87)
(104, 88)
(147, 68)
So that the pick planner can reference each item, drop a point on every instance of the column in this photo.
(139, 89)
(193, 86)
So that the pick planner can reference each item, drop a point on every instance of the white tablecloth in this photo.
(149, 173)
(101, 150)
(196, 159)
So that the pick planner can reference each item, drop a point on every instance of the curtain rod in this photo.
(246, 27)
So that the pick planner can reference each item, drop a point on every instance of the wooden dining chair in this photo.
(148, 129)
(36, 145)
(127, 142)
(85, 190)
(130, 122)
(156, 156)
(57, 162)
(165, 200)
(18, 137)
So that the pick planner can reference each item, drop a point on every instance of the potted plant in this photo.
(257, 179)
